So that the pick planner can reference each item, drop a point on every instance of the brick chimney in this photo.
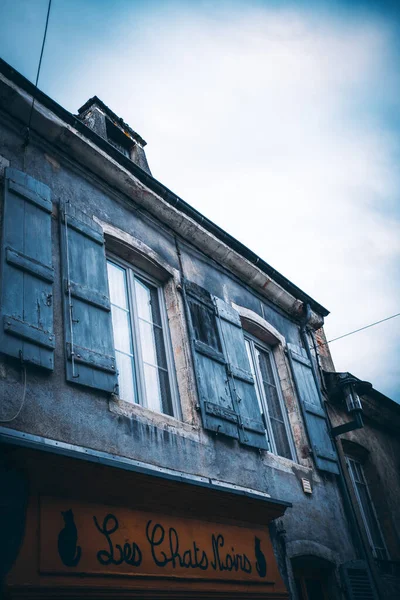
(96, 115)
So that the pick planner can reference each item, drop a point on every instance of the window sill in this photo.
(284, 464)
(150, 417)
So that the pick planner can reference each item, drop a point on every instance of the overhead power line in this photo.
(38, 72)
(360, 329)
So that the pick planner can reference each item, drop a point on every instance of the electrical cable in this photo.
(22, 401)
(27, 132)
(360, 329)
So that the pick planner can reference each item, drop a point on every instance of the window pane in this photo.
(126, 377)
(265, 367)
(370, 516)
(117, 285)
(153, 391)
(252, 368)
(274, 404)
(152, 344)
(157, 390)
(281, 439)
(147, 302)
(122, 330)
(158, 393)
(204, 325)
(367, 509)
(165, 392)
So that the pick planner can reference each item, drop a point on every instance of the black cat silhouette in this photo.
(261, 564)
(69, 552)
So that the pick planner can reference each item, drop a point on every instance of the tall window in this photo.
(367, 509)
(142, 349)
(270, 398)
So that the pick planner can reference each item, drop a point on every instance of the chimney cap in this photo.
(118, 121)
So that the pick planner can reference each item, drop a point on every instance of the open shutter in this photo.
(251, 427)
(26, 328)
(357, 581)
(90, 357)
(313, 412)
(218, 410)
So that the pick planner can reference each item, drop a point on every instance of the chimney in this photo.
(98, 117)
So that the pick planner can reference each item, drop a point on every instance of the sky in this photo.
(278, 120)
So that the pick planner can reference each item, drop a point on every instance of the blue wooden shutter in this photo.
(251, 427)
(217, 407)
(26, 329)
(313, 411)
(90, 357)
(357, 581)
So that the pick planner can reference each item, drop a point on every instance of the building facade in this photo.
(163, 426)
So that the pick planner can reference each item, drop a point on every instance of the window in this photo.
(367, 509)
(270, 398)
(141, 340)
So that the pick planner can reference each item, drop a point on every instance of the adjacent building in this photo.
(370, 456)
(163, 428)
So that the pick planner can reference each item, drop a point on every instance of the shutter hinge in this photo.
(241, 425)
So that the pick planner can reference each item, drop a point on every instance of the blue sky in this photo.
(280, 121)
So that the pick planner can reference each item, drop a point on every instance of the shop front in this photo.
(96, 531)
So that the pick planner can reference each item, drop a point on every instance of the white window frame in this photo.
(255, 342)
(131, 271)
(374, 548)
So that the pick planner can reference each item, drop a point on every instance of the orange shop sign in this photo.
(82, 538)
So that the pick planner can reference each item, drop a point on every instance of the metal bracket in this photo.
(357, 423)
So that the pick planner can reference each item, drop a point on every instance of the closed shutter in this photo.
(251, 427)
(218, 409)
(90, 357)
(227, 395)
(313, 412)
(357, 581)
(26, 329)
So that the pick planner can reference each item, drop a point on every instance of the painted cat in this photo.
(68, 550)
(261, 564)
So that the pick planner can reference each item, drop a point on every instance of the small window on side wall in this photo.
(367, 509)
(270, 398)
(141, 339)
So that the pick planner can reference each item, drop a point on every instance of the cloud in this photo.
(280, 124)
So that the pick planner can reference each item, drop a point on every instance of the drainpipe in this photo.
(354, 525)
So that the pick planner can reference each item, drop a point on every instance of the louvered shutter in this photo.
(90, 357)
(357, 581)
(218, 410)
(26, 330)
(251, 427)
(313, 412)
